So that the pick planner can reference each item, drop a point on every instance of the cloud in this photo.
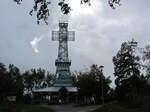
(99, 33)
(79, 9)
(34, 44)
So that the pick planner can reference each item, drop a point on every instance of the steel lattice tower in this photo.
(62, 62)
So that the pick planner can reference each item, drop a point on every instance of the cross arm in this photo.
(70, 35)
(55, 35)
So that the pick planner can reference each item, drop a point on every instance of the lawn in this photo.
(111, 108)
(24, 108)
(116, 107)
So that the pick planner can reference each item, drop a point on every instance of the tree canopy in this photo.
(125, 62)
(43, 12)
(130, 83)
(90, 83)
(146, 58)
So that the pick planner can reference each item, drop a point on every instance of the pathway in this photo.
(72, 108)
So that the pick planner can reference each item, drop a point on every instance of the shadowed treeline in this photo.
(131, 71)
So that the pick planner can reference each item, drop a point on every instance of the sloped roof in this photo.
(72, 89)
(55, 89)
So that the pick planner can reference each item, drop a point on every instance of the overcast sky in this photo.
(99, 33)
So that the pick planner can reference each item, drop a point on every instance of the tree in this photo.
(28, 81)
(2, 68)
(42, 10)
(89, 83)
(129, 82)
(38, 76)
(16, 81)
(74, 77)
(50, 78)
(3, 81)
(11, 83)
(126, 64)
(146, 58)
(103, 88)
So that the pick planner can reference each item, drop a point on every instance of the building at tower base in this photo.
(62, 90)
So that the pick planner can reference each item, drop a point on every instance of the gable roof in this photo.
(55, 89)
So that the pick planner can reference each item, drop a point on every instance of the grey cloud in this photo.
(98, 35)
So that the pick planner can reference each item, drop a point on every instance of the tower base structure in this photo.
(62, 90)
(57, 94)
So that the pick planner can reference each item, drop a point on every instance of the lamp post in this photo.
(102, 89)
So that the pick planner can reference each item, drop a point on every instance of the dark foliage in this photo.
(65, 8)
(125, 63)
(130, 84)
(90, 85)
(112, 3)
(146, 59)
(11, 83)
(28, 80)
(41, 7)
(37, 78)
(42, 10)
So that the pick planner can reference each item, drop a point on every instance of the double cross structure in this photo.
(62, 62)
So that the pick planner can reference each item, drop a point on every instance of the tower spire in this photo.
(62, 62)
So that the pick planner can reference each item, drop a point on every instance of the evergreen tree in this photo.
(126, 64)
(146, 58)
(126, 71)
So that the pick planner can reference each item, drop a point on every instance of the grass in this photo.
(117, 107)
(23, 108)
(111, 108)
